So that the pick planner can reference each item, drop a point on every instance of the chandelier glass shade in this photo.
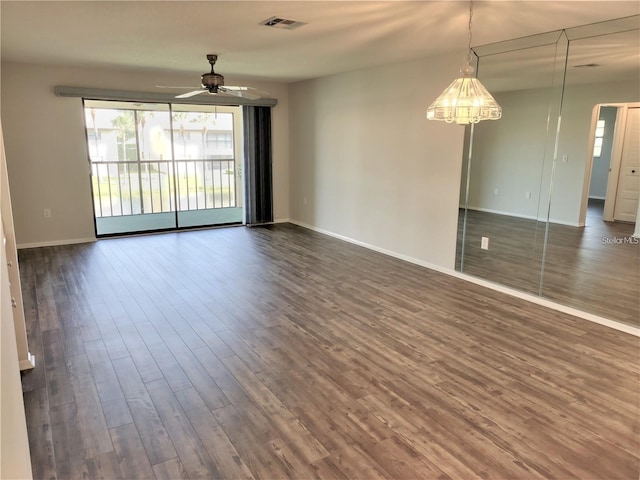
(466, 100)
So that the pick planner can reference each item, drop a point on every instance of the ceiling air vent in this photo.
(587, 65)
(283, 23)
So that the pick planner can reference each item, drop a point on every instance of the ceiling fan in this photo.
(213, 83)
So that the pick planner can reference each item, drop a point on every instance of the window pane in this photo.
(202, 135)
(111, 135)
(154, 135)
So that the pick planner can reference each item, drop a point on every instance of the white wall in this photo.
(367, 165)
(46, 149)
(509, 154)
(570, 180)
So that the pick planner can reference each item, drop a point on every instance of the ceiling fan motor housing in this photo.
(212, 81)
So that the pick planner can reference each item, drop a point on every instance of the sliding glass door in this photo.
(207, 154)
(158, 166)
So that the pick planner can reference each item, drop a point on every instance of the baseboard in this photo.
(375, 248)
(527, 217)
(55, 243)
(28, 363)
(503, 213)
(282, 220)
(622, 327)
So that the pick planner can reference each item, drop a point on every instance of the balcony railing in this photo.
(156, 186)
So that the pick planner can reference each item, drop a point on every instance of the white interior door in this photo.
(628, 192)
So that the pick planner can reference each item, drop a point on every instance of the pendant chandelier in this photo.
(465, 100)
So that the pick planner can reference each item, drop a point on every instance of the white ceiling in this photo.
(175, 36)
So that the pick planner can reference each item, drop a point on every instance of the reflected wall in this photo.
(526, 177)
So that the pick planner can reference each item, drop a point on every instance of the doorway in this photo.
(161, 166)
(614, 184)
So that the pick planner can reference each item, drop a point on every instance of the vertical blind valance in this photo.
(128, 96)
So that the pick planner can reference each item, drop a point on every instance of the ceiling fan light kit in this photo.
(466, 100)
(212, 81)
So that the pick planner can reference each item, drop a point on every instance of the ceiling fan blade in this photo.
(190, 94)
(251, 90)
(238, 88)
(241, 92)
(175, 87)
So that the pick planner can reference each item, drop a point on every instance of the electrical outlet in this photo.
(495, 192)
(565, 158)
(47, 213)
(527, 195)
(304, 200)
(484, 243)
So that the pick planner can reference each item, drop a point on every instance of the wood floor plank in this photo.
(193, 370)
(205, 326)
(242, 350)
(170, 470)
(104, 467)
(220, 448)
(355, 463)
(109, 331)
(171, 370)
(194, 457)
(116, 412)
(277, 352)
(288, 426)
(73, 341)
(70, 454)
(55, 368)
(46, 306)
(130, 452)
(261, 461)
(104, 375)
(91, 422)
(326, 468)
(139, 353)
(41, 446)
(401, 461)
(223, 378)
(152, 432)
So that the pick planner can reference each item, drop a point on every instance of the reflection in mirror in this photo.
(547, 201)
(593, 260)
(505, 199)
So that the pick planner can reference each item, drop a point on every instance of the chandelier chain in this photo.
(470, 18)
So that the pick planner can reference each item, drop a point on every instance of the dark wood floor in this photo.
(277, 352)
(595, 269)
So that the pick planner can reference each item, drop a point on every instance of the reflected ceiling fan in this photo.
(213, 83)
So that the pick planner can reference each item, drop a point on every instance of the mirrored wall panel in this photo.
(549, 193)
